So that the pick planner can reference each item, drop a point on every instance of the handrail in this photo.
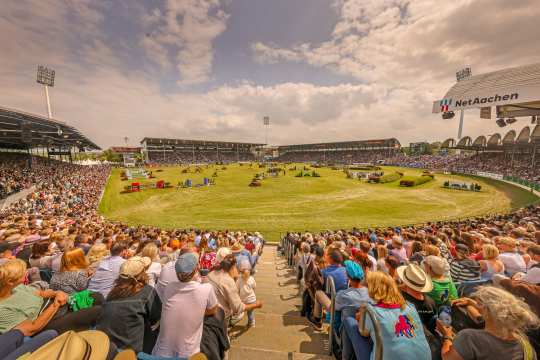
(331, 289)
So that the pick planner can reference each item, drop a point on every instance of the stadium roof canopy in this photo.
(345, 145)
(21, 130)
(162, 141)
(514, 91)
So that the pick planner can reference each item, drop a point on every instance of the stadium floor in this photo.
(288, 203)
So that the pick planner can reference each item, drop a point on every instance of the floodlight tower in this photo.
(462, 75)
(45, 77)
(266, 122)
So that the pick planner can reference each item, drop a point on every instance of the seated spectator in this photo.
(132, 308)
(491, 264)
(223, 280)
(506, 318)
(365, 248)
(13, 344)
(22, 305)
(392, 321)
(108, 269)
(444, 289)
(462, 268)
(415, 284)
(207, 256)
(392, 263)
(398, 250)
(151, 252)
(40, 256)
(382, 254)
(334, 269)
(533, 271)
(96, 253)
(349, 300)
(73, 275)
(512, 260)
(185, 304)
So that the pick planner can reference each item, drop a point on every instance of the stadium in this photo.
(205, 242)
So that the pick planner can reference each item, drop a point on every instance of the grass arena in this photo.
(287, 202)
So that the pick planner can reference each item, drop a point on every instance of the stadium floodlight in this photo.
(511, 120)
(266, 123)
(501, 122)
(45, 77)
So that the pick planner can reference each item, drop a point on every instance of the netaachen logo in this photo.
(486, 100)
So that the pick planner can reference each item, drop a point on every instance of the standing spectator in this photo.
(185, 304)
(108, 269)
(246, 287)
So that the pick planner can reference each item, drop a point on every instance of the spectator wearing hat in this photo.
(512, 260)
(132, 308)
(462, 268)
(444, 289)
(185, 304)
(415, 284)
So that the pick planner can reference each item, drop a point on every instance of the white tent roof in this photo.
(509, 86)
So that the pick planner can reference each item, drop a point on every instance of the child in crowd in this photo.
(246, 287)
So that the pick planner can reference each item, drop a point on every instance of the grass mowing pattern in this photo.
(289, 203)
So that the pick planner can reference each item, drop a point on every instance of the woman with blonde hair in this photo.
(151, 251)
(392, 324)
(491, 264)
(95, 254)
(73, 275)
(506, 319)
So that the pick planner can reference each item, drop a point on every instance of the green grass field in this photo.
(290, 203)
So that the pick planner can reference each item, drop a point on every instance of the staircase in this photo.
(280, 332)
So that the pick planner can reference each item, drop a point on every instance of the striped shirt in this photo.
(23, 304)
(464, 270)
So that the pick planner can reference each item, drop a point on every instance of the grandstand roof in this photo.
(21, 130)
(378, 143)
(518, 86)
(163, 141)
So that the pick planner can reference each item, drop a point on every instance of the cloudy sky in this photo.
(323, 70)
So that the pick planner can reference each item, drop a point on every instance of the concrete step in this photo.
(248, 353)
(286, 332)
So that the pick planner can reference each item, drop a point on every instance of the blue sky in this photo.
(323, 70)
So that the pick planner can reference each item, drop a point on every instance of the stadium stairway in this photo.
(280, 331)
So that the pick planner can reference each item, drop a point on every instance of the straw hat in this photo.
(134, 266)
(237, 247)
(414, 277)
(84, 345)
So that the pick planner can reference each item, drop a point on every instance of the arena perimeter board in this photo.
(286, 203)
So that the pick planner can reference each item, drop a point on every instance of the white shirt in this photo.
(247, 289)
(167, 275)
(182, 317)
(513, 263)
(373, 262)
(153, 273)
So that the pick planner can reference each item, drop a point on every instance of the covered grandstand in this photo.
(24, 132)
(340, 152)
(181, 151)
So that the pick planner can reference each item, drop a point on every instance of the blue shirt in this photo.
(348, 302)
(402, 333)
(106, 273)
(338, 274)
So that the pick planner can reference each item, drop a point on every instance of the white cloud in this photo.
(186, 29)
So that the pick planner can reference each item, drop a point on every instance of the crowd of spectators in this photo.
(337, 157)
(65, 270)
(446, 290)
(176, 157)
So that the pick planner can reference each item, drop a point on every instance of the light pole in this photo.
(45, 77)
(266, 122)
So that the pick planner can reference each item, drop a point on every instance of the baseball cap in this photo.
(134, 266)
(354, 271)
(186, 263)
